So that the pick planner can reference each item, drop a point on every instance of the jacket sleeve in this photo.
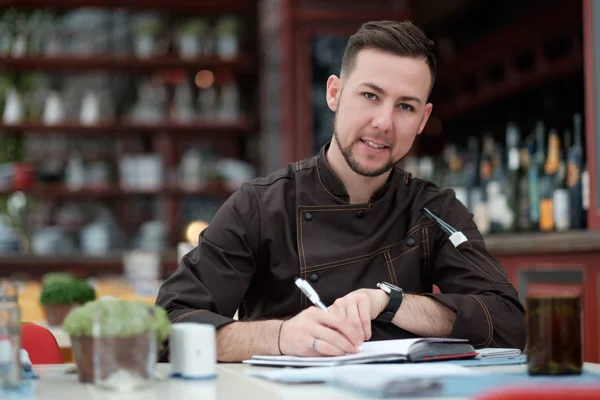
(210, 281)
(473, 283)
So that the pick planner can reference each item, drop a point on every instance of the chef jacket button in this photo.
(314, 277)
(410, 242)
(360, 213)
(307, 216)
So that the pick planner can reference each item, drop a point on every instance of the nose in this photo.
(383, 119)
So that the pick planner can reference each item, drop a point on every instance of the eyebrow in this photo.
(380, 90)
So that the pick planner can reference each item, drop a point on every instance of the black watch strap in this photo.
(388, 313)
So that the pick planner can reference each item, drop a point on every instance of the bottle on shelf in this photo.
(547, 181)
(535, 173)
(524, 204)
(513, 168)
(560, 197)
(574, 177)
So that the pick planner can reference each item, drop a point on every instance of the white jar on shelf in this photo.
(13, 108)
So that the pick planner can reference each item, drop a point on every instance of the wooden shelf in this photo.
(207, 127)
(543, 243)
(60, 191)
(124, 63)
(79, 264)
(489, 70)
(206, 6)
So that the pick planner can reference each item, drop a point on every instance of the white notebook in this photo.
(490, 353)
(376, 351)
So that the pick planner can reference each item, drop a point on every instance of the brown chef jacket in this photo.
(298, 222)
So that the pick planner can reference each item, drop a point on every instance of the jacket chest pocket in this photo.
(400, 263)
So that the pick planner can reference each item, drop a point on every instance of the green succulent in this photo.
(117, 318)
(66, 291)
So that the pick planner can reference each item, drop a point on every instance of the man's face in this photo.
(380, 107)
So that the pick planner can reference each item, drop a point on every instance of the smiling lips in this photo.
(374, 145)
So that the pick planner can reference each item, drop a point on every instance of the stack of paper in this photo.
(490, 353)
(369, 374)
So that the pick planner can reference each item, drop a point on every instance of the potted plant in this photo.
(60, 294)
(118, 331)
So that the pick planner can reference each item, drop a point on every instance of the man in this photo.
(346, 220)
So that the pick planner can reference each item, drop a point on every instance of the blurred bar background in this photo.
(125, 125)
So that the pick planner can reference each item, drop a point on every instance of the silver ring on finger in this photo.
(314, 344)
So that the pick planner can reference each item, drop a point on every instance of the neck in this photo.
(359, 188)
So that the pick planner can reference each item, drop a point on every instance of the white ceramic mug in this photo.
(193, 350)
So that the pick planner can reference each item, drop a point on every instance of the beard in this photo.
(353, 162)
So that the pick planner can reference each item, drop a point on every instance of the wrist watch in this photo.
(396, 296)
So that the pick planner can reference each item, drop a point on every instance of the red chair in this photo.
(41, 344)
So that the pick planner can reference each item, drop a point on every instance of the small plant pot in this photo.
(56, 313)
(130, 353)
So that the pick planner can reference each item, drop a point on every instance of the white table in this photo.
(231, 383)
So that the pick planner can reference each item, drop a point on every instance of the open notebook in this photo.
(400, 350)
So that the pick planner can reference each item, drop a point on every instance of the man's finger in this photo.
(364, 310)
(341, 325)
(334, 338)
(322, 347)
(353, 316)
(338, 310)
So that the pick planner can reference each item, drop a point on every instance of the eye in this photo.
(370, 96)
(407, 107)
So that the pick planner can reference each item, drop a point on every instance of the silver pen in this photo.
(310, 293)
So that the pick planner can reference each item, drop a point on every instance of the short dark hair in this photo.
(400, 38)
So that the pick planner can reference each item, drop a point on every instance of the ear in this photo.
(426, 114)
(333, 92)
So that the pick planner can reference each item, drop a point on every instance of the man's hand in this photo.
(335, 336)
(360, 308)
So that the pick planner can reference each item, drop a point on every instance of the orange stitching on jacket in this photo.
(303, 263)
(425, 249)
(373, 254)
(489, 262)
(368, 255)
(331, 208)
(429, 267)
(395, 281)
(417, 227)
(489, 320)
(343, 264)
(389, 267)
(480, 270)
(407, 251)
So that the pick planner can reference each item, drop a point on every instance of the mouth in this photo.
(374, 145)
